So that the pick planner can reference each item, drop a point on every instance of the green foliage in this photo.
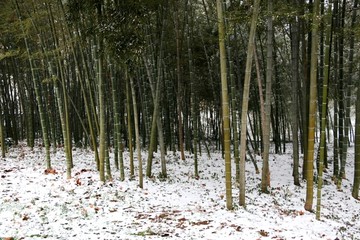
(9, 54)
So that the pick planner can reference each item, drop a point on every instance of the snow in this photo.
(36, 205)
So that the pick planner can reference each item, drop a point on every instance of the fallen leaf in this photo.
(205, 222)
(236, 227)
(50, 171)
(264, 233)
(96, 209)
(78, 182)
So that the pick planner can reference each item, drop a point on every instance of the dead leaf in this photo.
(112, 210)
(163, 215)
(78, 182)
(236, 227)
(50, 171)
(263, 233)
(205, 222)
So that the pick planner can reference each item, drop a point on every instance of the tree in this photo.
(245, 102)
(37, 88)
(265, 177)
(2, 136)
(137, 132)
(356, 185)
(225, 104)
(294, 32)
(324, 107)
(312, 108)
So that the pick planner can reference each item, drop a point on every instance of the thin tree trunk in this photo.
(137, 132)
(129, 128)
(265, 177)
(356, 185)
(225, 104)
(349, 88)
(324, 108)
(294, 93)
(102, 106)
(117, 127)
(193, 103)
(2, 135)
(179, 85)
(245, 102)
(312, 109)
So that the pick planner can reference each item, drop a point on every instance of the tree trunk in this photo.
(245, 102)
(265, 177)
(312, 109)
(179, 94)
(324, 107)
(225, 104)
(294, 31)
(137, 132)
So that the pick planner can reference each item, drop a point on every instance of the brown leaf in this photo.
(264, 233)
(163, 215)
(205, 222)
(50, 171)
(112, 210)
(236, 227)
(78, 182)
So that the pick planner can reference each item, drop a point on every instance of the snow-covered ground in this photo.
(35, 205)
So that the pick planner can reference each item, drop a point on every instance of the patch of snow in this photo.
(35, 205)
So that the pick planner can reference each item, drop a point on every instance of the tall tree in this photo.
(2, 135)
(179, 94)
(356, 185)
(37, 88)
(137, 132)
(265, 177)
(312, 107)
(101, 96)
(225, 104)
(245, 102)
(324, 107)
(294, 33)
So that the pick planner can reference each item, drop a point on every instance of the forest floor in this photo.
(35, 204)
